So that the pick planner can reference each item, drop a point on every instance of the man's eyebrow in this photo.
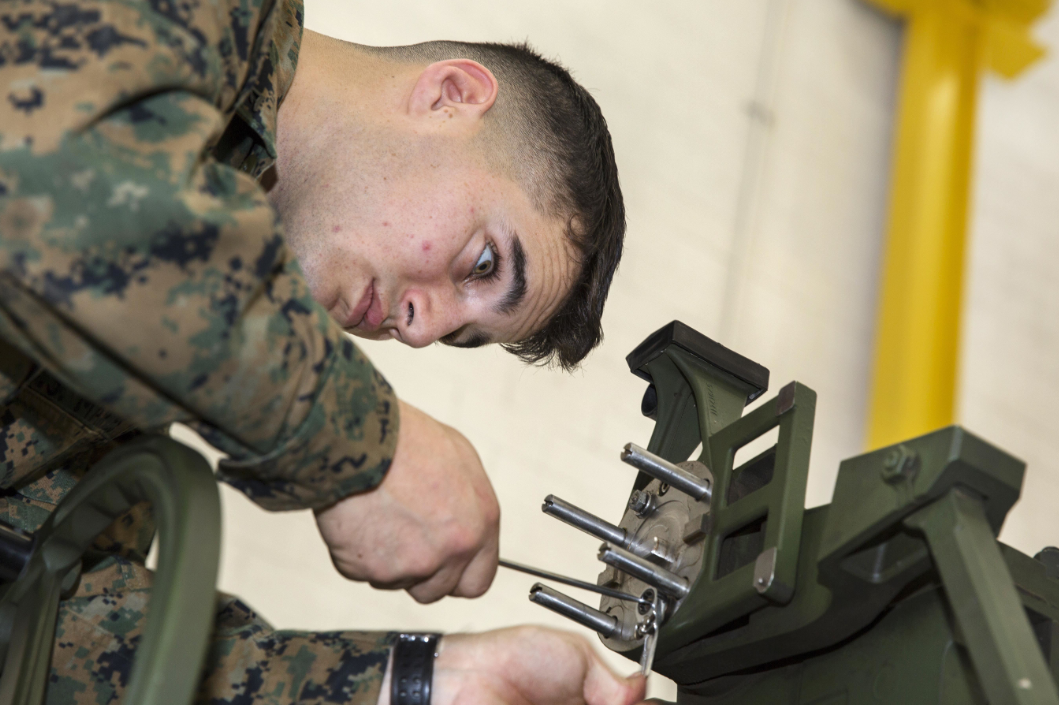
(476, 339)
(517, 291)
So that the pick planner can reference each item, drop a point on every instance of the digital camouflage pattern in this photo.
(248, 662)
(144, 280)
(148, 274)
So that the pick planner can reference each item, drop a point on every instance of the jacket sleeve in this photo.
(155, 281)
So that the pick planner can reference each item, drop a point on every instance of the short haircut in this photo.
(556, 145)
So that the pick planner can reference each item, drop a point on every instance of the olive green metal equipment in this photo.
(896, 592)
(36, 571)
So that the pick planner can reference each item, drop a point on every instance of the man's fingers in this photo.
(460, 580)
(479, 573)
(605, 687)
(430, 527)
(465, 579)
(437, 586)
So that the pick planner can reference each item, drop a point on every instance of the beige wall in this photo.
(753, 142)
(1010, 355)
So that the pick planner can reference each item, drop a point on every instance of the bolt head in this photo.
(641, 502)
(900, 463)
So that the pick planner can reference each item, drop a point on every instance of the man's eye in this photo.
(484, 265)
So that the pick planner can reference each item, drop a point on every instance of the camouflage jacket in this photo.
(143, 275)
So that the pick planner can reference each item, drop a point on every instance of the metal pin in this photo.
(580, 519)
(572, 582)
(665, 471)
(606, 624)
(666, 581)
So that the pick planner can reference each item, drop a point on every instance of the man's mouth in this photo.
(367, 315)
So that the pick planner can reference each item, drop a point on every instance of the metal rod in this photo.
(572, 582)
(665, 471)
(660, 578)
(606, 624)
(580, 519)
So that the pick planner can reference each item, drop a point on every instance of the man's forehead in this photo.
(550, 265)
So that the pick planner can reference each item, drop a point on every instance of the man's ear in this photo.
(453, 88)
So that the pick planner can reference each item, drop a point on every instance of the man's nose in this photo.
(427, 315)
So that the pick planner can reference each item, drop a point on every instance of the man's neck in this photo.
(339, 86)
(341, 106)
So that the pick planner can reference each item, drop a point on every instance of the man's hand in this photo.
(527, 666)
(431, 527)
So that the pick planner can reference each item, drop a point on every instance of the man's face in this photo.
(443, 249)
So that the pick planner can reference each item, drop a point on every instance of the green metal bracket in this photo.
(897, 592)
(857, 556)
(183, 494)
(982, 596)
(687, 373)
(698, 392)
(676, 431)
(875, 491)
(751, 556)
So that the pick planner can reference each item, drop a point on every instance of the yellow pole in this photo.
(947, 44)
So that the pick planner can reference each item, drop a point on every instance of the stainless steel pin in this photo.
(665, 471)
(606, 624)
(664, 580)
(580, 519)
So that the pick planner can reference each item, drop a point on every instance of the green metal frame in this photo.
(715, 601)
(981, 593)
(897, 592)
(178, 483)
(699, 402)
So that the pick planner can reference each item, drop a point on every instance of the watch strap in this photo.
(413, 669)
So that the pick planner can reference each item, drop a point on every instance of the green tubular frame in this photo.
(178, 483)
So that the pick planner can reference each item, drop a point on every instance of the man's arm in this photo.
(524, 666)
(431, 527)
(155, 281)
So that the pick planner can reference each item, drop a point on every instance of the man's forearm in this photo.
(522, 665)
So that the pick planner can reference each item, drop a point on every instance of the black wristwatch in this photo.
(413, 669)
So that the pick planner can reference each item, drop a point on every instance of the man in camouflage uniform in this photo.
(145, 279)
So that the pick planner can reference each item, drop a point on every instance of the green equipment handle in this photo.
(178, 483)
